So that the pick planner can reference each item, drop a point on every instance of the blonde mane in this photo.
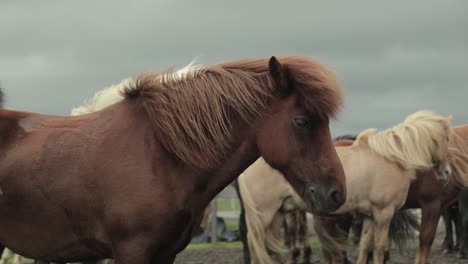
(104, 98)
(115, 93)
(193, 114)
(458, 154)
(413, 144)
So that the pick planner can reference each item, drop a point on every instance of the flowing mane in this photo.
(114, 93)
(412, 144)
(193, 112)
(104, 98)
(458, 155)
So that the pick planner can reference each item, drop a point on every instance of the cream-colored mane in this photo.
(414, 144)
(458, 155)
(114, 93)
(104, 98)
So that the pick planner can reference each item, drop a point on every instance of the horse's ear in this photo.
(279, 76)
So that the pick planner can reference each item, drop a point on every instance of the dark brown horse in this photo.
(463, 207)
(458, 214)
(131, 181)
(451, 215)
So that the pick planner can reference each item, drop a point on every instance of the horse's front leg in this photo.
(430, 217)
(367, 234)
(382, 219)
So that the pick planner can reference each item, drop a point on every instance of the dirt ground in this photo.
(234, 255)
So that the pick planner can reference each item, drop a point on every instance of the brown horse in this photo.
(432, 197)
(131, 181)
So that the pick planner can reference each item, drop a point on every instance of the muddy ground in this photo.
(234, 255)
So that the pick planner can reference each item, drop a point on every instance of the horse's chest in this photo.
(179, 229)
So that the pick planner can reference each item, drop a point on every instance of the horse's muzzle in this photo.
(324, 200)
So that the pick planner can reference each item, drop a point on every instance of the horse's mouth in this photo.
(321, 207)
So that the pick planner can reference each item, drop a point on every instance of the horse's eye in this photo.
(302, 122)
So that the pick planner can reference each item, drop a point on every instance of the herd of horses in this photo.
(128, 174)
(382, 182)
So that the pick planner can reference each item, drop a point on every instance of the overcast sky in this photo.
(392, 57)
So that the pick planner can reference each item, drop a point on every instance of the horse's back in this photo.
(37, 181)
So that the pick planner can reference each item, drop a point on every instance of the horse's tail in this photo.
(273, 235)
(333, 239)
(257, 235)
(403, 227)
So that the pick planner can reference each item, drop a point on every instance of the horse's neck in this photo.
(241, 158)
(461, 133)
(356, 166)
(203, 186)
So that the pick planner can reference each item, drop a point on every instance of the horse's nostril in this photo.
(312, 191)
(337, 197)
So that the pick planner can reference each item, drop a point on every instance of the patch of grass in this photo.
(236, 244)
(232, 225)
(227, 204)
(314, 242)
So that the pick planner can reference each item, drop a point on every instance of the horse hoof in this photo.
(446, 252)
(461, 256)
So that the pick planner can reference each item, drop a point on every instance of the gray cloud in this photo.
(393, 58)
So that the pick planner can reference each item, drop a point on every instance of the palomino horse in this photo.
(268, 201)
(267, 208)
(402, 228)
(379, 169)
(131, 181)
(290, 211)
(427, 193)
